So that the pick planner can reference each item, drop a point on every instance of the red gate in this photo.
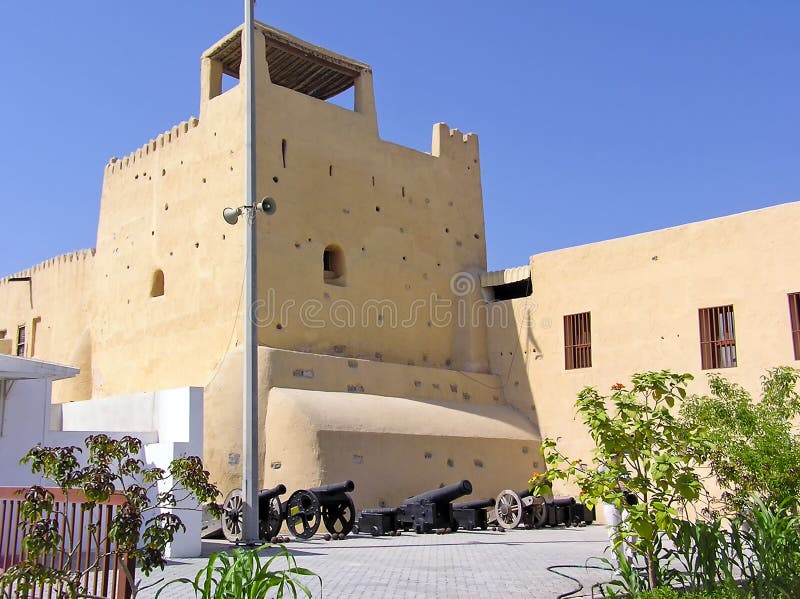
(85, 546)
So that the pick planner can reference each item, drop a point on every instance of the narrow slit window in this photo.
(577, 341)
(21, 340)
(717, 338)
(157, 285)
(794, 314)
(333, 265)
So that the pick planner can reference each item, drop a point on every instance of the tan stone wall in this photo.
(644, 293)
(314, 442)
(56, 308)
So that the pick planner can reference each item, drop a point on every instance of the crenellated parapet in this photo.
(454, 144)
(52, 263)
(115, 164)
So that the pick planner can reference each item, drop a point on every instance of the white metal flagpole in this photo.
(250, 390)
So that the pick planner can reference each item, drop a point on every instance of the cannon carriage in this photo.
(521, 508)
(473, 514)
(423, 513)
(303, 512)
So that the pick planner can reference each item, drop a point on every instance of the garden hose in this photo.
(580, 587)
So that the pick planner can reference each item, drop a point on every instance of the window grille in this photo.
(577, 341)
(717, 338)
(794, 314)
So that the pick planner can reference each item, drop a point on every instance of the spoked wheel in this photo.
(509, 509)
(233, 516)
(339, 517)
(539, 516)
(269, 524)
(303, 514)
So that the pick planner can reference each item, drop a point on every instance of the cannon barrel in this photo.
(524, 493)
(476, 505)
(265, 496)
(386, 511)
(273, 492)
(444, 494)
(562, 501)
(332, 489)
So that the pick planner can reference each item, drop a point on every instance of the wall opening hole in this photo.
(228, 82)
(283, 152)
(274, 179)
(377, 208)
(330, 170)
(333, 267)
(163, 172)
(373, 180)
(157, 284)
(517, 289)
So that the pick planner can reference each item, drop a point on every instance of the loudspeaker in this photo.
(231, 215)
(268, 206)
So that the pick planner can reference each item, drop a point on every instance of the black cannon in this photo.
(270, 513)
(377, 521)
(519, 507)
(472, 514)
(432, 510)
(338, 511)
(306, 509)
(567, 511)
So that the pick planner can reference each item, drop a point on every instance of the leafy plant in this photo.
(244, 576)
(139, 529)
(771, 559)
(751, 448)
(642, 465)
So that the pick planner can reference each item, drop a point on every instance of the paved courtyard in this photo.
(459, 566)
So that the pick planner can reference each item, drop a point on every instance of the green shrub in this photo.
(243, 575)
(670, 593)
(751, 447)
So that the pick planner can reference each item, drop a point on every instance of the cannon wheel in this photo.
(269, 524)
(303, 514)
(509, 509)
(232, 516)
(339, 517)
(539, 516)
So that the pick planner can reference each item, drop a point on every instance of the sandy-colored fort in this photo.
(388, 355)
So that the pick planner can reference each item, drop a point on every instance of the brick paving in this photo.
(458, 566)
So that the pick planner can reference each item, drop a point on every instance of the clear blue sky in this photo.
(596, 119)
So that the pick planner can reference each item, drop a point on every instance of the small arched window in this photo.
(333, 270)
(157, 286)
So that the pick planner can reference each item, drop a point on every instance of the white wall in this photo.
(170, 423)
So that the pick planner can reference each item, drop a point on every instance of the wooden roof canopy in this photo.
(293, 63)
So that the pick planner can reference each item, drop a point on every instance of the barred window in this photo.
(577, 341)
(21, 340)
(794, 314)
(717, 338)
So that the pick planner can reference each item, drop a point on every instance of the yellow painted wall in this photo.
(644, 293)
(56, 308)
